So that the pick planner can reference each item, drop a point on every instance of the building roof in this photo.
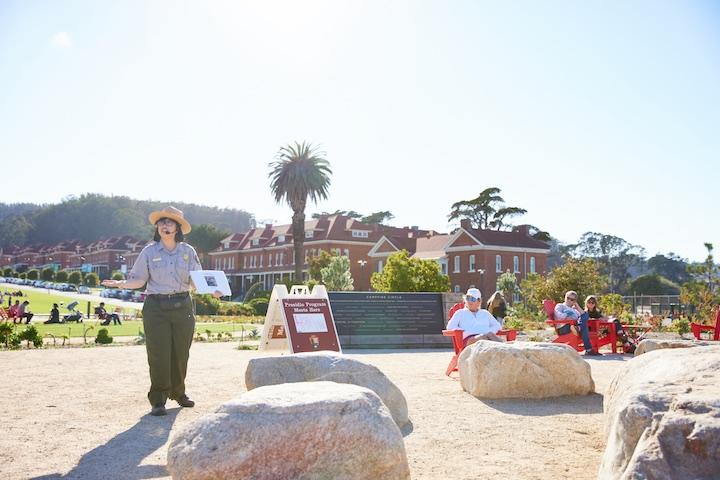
(506, 239)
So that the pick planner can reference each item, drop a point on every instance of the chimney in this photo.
(268, 226)
(465, 223)
(524, 230)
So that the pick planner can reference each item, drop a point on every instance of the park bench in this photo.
(457, 338)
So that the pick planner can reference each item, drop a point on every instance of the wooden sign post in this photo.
(299, 321)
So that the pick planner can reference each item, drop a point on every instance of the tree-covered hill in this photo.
(92, 216)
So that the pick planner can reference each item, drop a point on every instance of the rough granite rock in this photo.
(650, 344)
(331, 367)
(523, 370)
(663, 417)
(311, 430)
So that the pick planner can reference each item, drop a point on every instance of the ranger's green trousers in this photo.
(169, 327)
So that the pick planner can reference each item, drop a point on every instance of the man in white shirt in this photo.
(476, 323)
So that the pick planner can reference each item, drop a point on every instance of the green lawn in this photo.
(129, 328)
(41, 302)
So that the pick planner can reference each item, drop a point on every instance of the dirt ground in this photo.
(82, 413)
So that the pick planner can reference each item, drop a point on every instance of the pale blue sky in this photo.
(591, 115)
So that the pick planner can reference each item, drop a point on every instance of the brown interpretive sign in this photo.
(310, 325)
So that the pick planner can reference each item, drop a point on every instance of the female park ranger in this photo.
(168, 312)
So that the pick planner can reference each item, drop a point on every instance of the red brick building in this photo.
(470, 257)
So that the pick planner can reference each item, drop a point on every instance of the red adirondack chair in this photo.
(457, 338)
(567, 338)
(698, 329)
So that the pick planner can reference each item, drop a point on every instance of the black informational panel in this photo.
(370, 313)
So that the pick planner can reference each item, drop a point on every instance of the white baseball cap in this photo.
(473, 292)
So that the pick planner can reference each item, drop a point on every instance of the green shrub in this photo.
(91, 279)
(62, 276)
(30, 335)
(103, 337)
(235, 309)
(680, 325)
(260, 305)
(206, 304)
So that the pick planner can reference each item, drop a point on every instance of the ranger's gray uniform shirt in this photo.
(165, 272)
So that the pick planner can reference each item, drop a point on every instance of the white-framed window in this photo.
(281, 239)
(346, 253)
(232, 263)
(269, 259)
(516, 297)
(532, 264)
(443, 267)
(498, 263)
(244, 262)
(456, 289)
(516, 264)
(293, 257)
(261, 260)
(456, 263)
(360, 233)
(379, 266)
(471, 264)
(255, 242)
(217, 267)
(309, 233)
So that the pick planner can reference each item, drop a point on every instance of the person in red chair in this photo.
(476, 323)
(591, 307)
(570, 310)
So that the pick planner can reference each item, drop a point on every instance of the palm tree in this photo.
(299, 171)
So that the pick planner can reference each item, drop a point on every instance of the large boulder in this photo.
(650, 344)
(523, 370)
(317, 430)
(663, 416)
(331, 367)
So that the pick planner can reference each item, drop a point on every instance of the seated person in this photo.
(54, 314)
(24, 312)
(497, 307)
(591, 307)
(106, 317)
(570, 310)
(476, 323)
(13, 310)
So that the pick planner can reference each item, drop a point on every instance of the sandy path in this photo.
(81, 413)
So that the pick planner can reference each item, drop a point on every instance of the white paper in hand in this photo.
(209, 281)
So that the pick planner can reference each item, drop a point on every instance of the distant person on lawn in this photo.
(24, 312)
(13, 310)
(106, 317)
(54, 314)
(476, 323)
(168, 311)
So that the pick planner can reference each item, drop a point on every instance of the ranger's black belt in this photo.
(169, 296)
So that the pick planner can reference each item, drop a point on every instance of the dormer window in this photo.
(360, 233)
(255, 242)
(281, 239)
(309, 234)
(226, 245)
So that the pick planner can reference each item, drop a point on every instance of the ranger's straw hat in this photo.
(173, 214)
